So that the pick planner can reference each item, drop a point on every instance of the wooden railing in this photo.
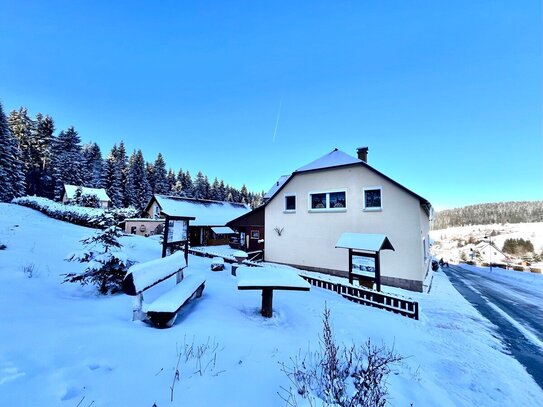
(371, 298)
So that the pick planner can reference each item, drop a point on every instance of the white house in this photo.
(70, 193)
(337, 193)
(491, 254)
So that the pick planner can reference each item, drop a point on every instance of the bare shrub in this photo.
(339, 375)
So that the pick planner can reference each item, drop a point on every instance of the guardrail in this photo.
(371, 298)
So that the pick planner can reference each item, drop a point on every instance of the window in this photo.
(336, 200)
(372, 199)
(290, 203)
(255, 234)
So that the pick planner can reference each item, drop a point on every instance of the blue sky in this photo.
(447, 95)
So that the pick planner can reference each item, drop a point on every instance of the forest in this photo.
(490, 213)
(36, 161)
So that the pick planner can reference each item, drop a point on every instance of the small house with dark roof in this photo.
(251, 230)
(307, 212)
(209, 227)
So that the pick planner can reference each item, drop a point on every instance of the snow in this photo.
(266, 277)
(148, 273)
(61, 343)
(363, 241)
(175, 297)
(217, 261)
(99, 192)
(223, 230)
(335, 158)
(207, 213)
(278, 184)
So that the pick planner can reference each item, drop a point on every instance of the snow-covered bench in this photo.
(162, 312)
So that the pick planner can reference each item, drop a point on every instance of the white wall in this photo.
(309, 238)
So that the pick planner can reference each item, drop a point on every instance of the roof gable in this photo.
(338, 159)
(206, 212)
(335, 158)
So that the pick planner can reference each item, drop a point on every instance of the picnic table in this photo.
(269, 279)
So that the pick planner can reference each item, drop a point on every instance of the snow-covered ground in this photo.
(61, 344)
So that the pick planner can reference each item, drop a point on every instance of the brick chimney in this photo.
(362, 153)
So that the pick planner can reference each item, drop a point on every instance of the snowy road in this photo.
(516, 310)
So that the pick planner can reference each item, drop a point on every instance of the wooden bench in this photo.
(162, 312)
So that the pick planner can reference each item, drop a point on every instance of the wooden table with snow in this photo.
(268, 279)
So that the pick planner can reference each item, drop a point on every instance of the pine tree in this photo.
(200, 186)
(244, 194)
(92, 165)
(171, 181)
(111, 180)
(107, 265)
(188, 185)
(161, 185)
(215, 192)
(11, 170)
(68, 161)
(122, 165)
(23, 128)
(44, 130)
(150, 173)
(139, 191)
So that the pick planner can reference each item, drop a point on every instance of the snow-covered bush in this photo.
(107, 264)
(337, 375)
(73, 213)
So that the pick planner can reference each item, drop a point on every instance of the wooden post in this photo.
(137, 314)
(267, 302)
(187, 247)
(165, 240)
(350, 266)
(179, 276)
(378, 271)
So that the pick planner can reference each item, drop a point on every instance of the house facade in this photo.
(339, 193)
(209, 227)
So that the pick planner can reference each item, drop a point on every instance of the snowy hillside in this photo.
(62, 345)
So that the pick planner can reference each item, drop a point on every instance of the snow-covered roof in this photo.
(222, 230)
(278, 184)
(99, 192)
(207, 213)
(364, 241)
(335, 158)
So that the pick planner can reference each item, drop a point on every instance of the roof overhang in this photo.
(365, 242)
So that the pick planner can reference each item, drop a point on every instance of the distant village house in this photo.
(71, 193)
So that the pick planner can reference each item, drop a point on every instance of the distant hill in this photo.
(489, 213)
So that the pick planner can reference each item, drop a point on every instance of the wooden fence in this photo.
(371, 298)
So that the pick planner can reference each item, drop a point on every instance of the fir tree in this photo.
(188, 185)
(150, 173)
(122, 165)
(92, 165)
(11, 172)
(244, 194)
(139, 191)
(68, 161)
(172, 180)
(215, 193)
(44, 130)
(200, 186)
(111, 181)
(161, 185)
(107, 265)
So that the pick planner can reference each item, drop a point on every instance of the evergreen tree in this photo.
(122, 165)
(11, 171)
(215, 193)
(23, 128)
(92, 165)
(107, 265)
(172, 180)
(200, 186)
(44, 130)
(139, 191)
(68, 161)
(221, 192)
(161, 185)
(244, 195)
(111, 180)
(188, 185)
(150, 173)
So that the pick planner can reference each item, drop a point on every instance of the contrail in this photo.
(278, 115)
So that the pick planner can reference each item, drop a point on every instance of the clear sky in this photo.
(447, 95)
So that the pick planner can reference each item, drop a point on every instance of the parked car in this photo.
(234, 242)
